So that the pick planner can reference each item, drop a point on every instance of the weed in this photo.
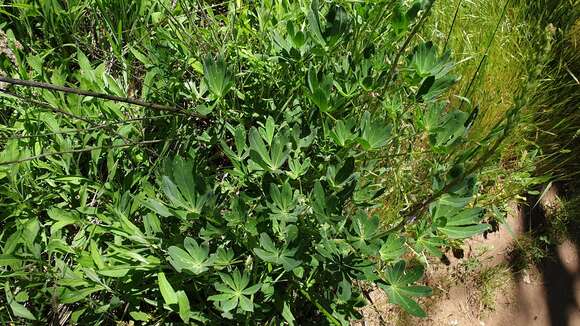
(490, 282)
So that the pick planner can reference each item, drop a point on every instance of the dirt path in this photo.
(487, 286)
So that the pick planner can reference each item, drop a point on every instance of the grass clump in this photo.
(490, 282)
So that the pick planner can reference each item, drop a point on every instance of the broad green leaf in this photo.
(140, 316)
(7, 260)
(72, 296)
(62, 218)
(184, 308)
(195, 259)
(461, 232)
(466, 216)
(277, 256)
(234, 291)
(399, 287)
(375, 134)
(167, 292)
(393, 248)
(287, 314)
(405, 302)
(18, 309)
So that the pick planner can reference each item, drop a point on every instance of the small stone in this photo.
(526, 278)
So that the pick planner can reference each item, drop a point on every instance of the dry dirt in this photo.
(547, 294)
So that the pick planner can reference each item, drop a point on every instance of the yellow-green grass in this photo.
(503, 70)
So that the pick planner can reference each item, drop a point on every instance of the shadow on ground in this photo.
(555, 262)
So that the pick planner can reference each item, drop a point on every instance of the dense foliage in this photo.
(308, 151)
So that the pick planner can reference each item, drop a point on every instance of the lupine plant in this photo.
(304, 152)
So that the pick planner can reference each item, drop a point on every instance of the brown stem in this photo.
(78, 91)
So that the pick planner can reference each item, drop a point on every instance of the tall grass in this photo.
(481, 32)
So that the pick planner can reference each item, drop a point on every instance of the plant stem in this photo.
(320, 308)
(82, 92)
(452, 25)
(407, 41)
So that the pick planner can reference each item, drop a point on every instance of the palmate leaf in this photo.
(399, 289)
(216, 75)
(457, 222)
(297, 169)
(365, 227)
(185, 190)
(283, 203)
(425, 61)
(222, 258)
(195, 259)
(343, 133)
(234, 291)
(375, 134)
(277, 256)
(451, 129)
(269, 160)
(393, 248)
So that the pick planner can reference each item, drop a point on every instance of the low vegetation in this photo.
(208, 163)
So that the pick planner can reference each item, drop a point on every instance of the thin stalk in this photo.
(45, 105)
(82, 92)
(414, 31)
(320, 308)
(81, 150)
(476, 73)
(57, 110)
(452, 25)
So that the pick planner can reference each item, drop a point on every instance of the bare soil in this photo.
(546, 293)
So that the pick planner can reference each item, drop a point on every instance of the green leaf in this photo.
(234, 291)
(167, 292)
(268, 160)
(287, 314)
(393, 248)
(7, 260)
(157, 207)
(408, 304)
(140, 316)
(375, 134)
(184, 308)
(72, 296)
(277, 256)
(62, 218)
(399, 290)
(18, 309)
(425, 87)
(259, 153)
(216, 75)
(461, 232)
(342, 133)
(195, 259)
(96, 255)
(466, 217)
(314, 23)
